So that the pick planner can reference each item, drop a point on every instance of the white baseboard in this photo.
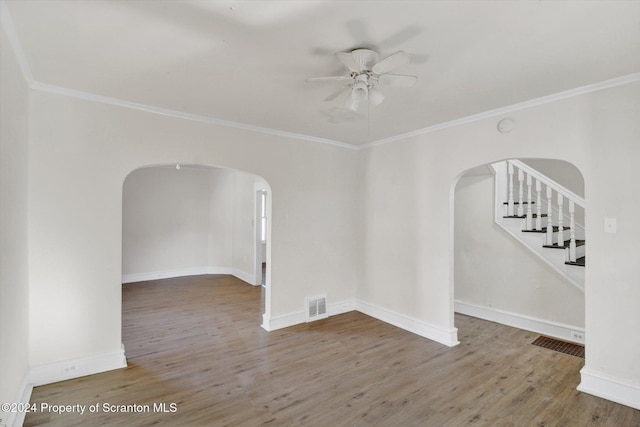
(448, 337)
(283, 321)
(341, 307)
(72, 368)
(16, 419)
(606, 387)
(298, 317)
(192, 271)
(242, 275)
(520, 321)
(168, 274)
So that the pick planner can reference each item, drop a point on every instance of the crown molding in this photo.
(606, 84)
(87, 96)
(10, 31)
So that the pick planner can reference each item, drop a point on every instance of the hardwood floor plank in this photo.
(196, 342)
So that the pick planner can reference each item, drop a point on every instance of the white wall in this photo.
(612, 291)
(82, 152)
(559, 171)
(192, 220)
(167, 216)
(14, 303)
(244, 232)
(407, 256)
(495, 272)
(221, 211)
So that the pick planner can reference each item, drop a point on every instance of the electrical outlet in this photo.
(577, 336)
(68, 370)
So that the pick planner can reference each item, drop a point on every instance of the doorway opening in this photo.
(186, 220)
(497, 278)
(261, 236)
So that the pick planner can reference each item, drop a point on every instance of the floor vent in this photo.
(316, 308)
(560, 346)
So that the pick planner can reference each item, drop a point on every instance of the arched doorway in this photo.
(495, 276)
(184, 219)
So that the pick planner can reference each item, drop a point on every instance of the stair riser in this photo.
(566, 233)
(579, 231)
(580, 252)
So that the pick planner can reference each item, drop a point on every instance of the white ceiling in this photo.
(246, 61)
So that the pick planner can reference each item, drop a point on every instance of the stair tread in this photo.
(524, 216)
(517, 203)
(544, 229)
(566, 244)
(580, 262)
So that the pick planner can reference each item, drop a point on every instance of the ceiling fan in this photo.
(366, 72)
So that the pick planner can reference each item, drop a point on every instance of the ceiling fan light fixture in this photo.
(366, 72)
(375, 97)
(359, 94)
(352, 104)
(360, 91)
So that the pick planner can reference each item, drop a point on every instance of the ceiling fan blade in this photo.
(329, 79)
(337, 93)
(389, 63)
(399, 80)
(349, 61)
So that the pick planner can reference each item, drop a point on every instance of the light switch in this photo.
(610, 225)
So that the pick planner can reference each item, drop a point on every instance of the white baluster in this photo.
(529, 220)
(538, 205)
(521, 193)
(560, 221)
(549, 217)
(510, 208)
(572, 231)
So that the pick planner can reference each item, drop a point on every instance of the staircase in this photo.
(547, 222)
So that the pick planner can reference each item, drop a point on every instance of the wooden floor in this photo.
(195, 342)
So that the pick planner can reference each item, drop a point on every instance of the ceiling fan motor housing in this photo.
(365, 58)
